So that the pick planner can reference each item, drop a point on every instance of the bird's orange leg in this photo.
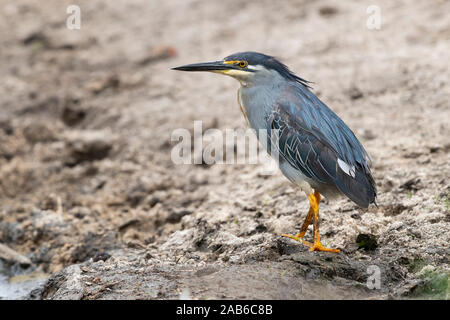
(299, 236)
(314, 200)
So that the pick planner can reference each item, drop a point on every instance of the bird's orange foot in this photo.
(319, 247)
(298, 239)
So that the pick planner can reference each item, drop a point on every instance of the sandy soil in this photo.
(87, 184)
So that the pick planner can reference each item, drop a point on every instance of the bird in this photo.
(316, 150)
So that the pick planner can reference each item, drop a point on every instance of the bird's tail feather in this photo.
(360, 189)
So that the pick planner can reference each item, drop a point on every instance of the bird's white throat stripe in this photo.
(346, 168)
(234, 73)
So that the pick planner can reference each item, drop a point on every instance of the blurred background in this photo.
(85, 125)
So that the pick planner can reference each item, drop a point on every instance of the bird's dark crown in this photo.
(269, 62)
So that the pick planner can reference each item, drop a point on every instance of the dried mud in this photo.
(90, 196)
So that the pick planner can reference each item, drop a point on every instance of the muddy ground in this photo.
(92, 207)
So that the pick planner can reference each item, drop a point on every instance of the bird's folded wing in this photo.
(318, 143)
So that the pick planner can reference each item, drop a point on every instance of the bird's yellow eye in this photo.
(242, 64)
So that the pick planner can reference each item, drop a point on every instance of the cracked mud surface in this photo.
(89, 195)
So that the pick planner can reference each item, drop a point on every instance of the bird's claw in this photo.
(298, 239)
(319, 247)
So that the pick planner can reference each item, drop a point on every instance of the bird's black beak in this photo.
(206, 66)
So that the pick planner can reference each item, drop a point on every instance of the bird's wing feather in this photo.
(314, 140)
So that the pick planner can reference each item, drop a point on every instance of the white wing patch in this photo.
(346, 168)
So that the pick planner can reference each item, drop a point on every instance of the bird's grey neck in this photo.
(257, 102)
(258, 94)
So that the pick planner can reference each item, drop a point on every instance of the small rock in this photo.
(368, 134)
(6, 127)
(327, 11)
(65, 285)
(93, 245)
(414, 233)
(284, 247)
(403, 260)
(356, 216)
(367, 242)
(435, 149)
(103, 256)
(100, 85)
(394, 209)
(410, 185)
(354, 93)
(73, 113)
(88, 146)
(412, 155)
(409, 288)
(50, 202)
(175, 216)
(157, 197)
(130, 223)
(39, 132)
(80, 212)
(12, 256)
(36, 39)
